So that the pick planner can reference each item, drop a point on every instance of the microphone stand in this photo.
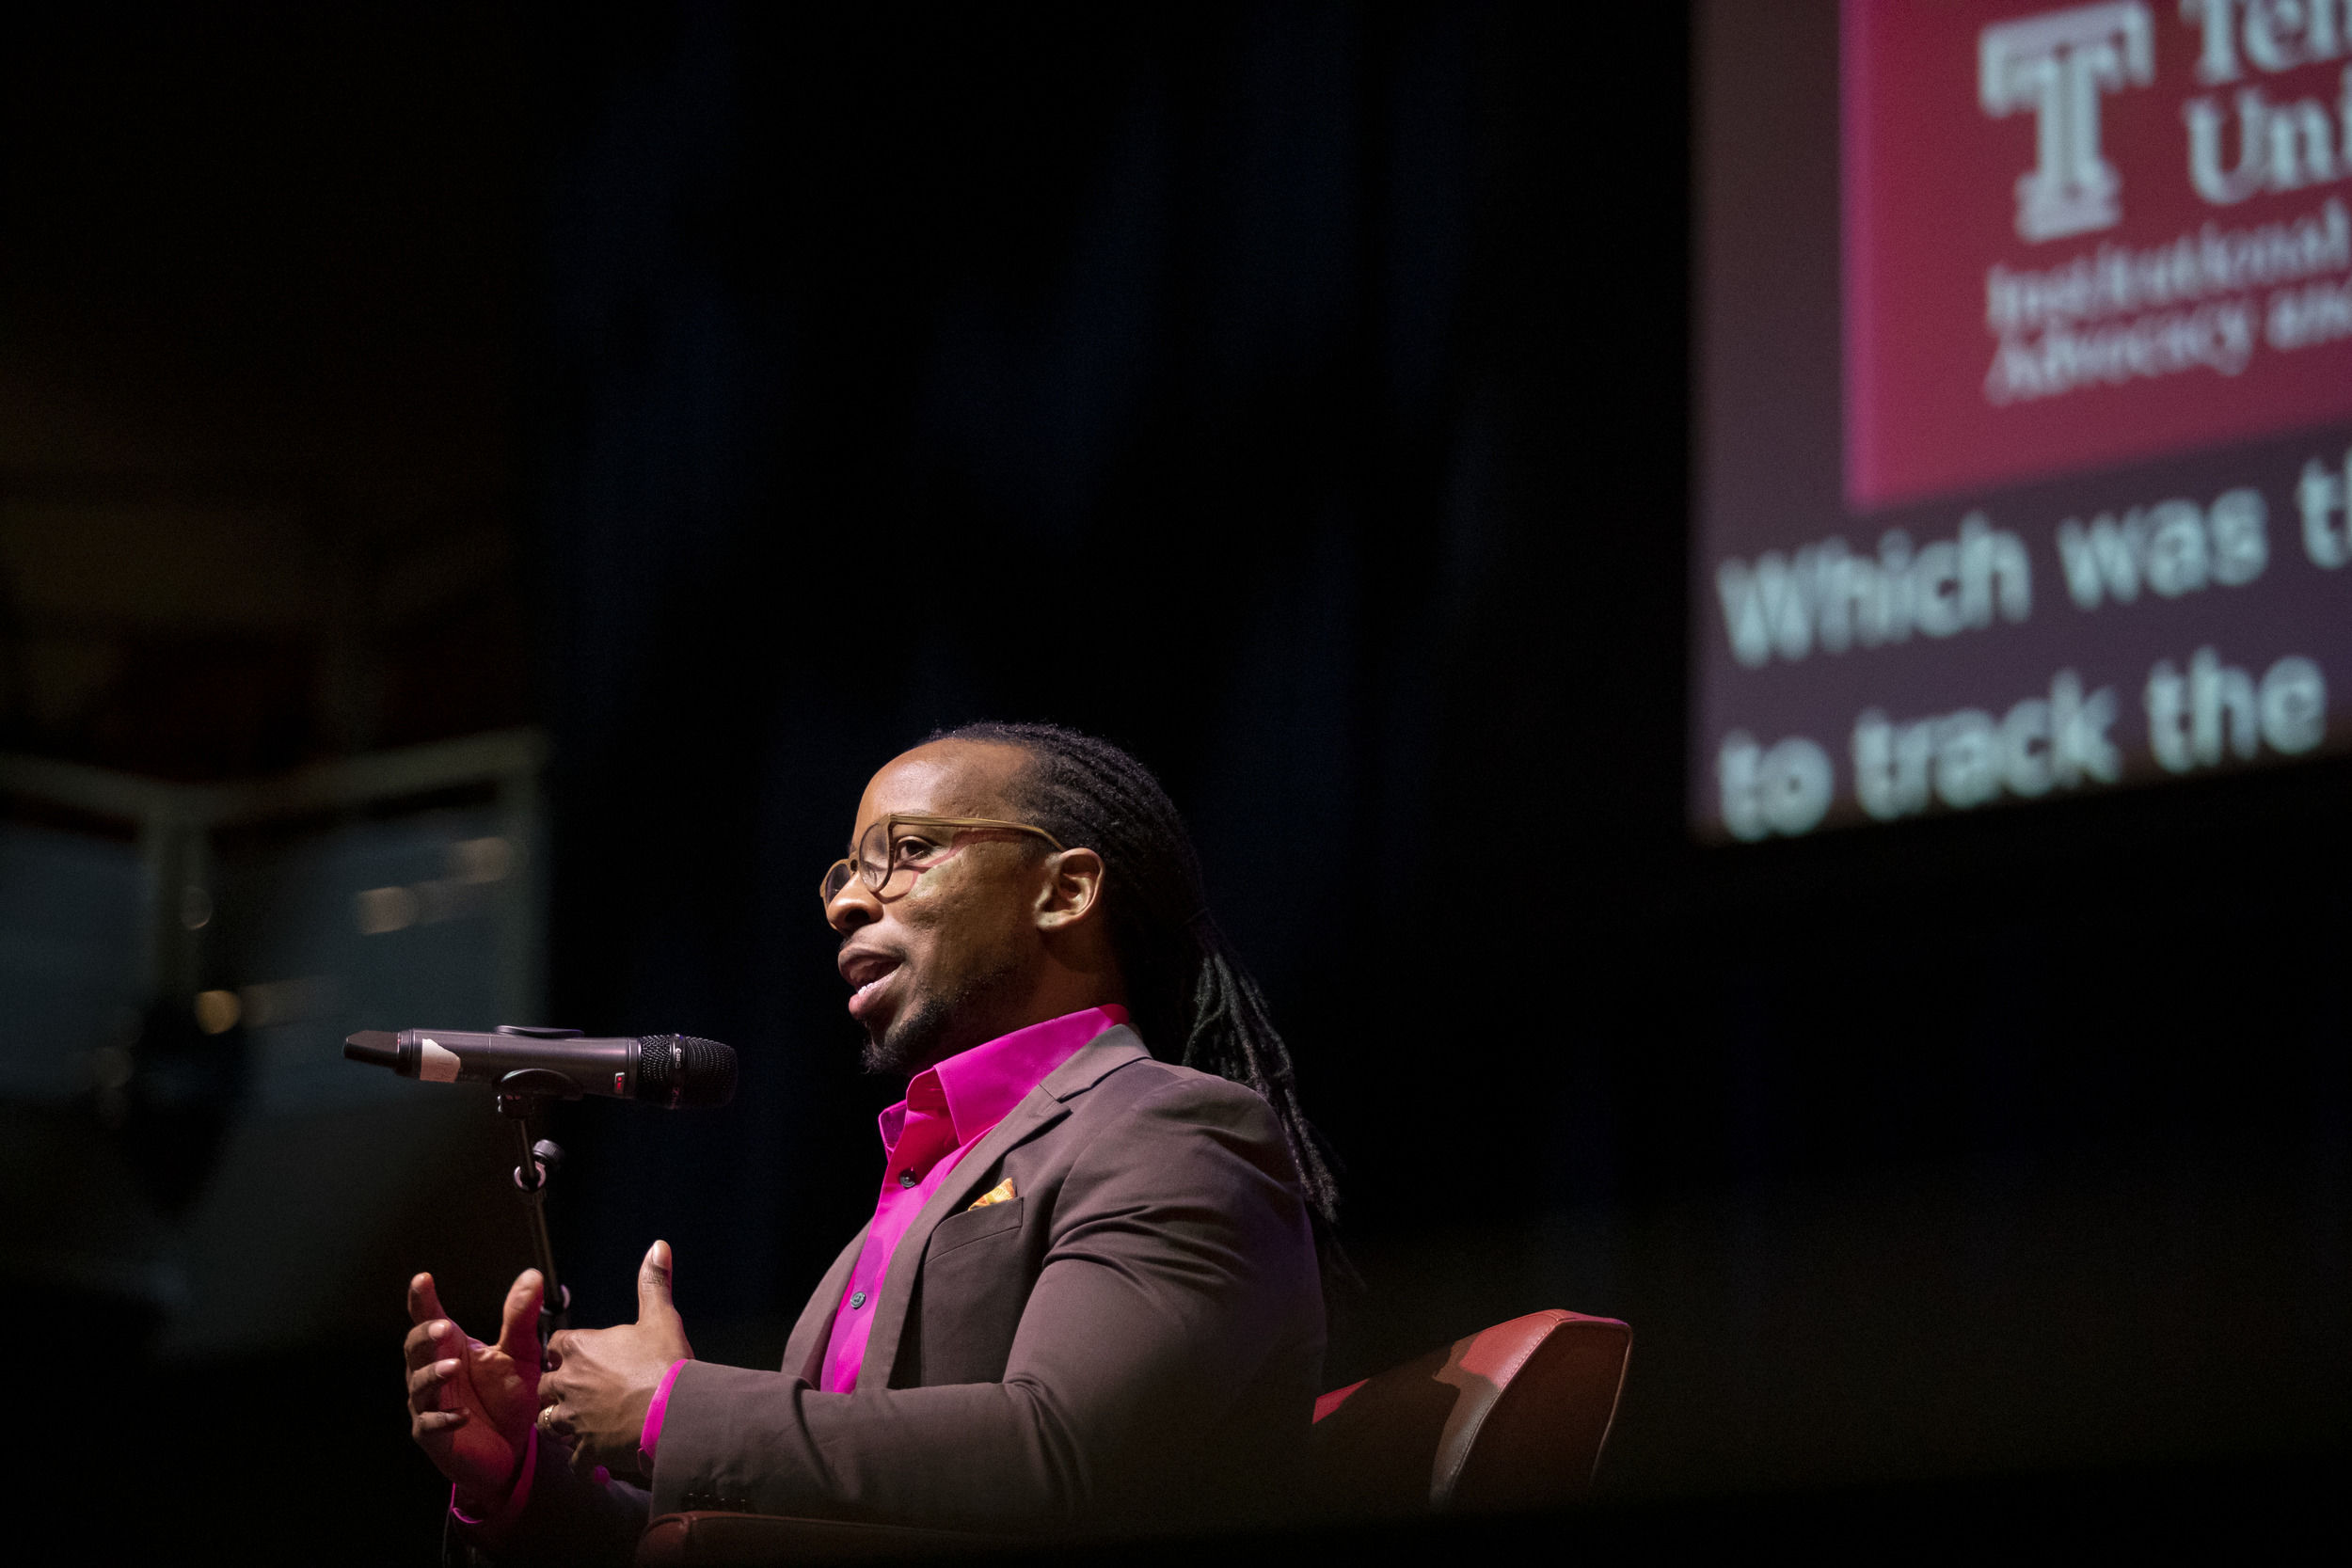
(523, 1095)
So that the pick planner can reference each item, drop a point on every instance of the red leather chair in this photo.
(771, 1541)
(1514, 1416)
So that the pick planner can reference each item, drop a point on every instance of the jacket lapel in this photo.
(1043, 1106)
(815, 1328)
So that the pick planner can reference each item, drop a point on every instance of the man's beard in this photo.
(937, 1027)
(913, 1041)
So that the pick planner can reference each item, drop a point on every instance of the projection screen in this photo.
(2024, 389)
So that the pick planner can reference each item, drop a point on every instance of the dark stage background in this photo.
(1295, 394)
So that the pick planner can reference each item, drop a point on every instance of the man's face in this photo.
(943, 957)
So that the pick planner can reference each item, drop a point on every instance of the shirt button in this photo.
(857, 1299)
(906, 1178)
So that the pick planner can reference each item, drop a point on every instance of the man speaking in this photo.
(1089, 1295)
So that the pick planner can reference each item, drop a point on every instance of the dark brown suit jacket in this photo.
(1134, 1339)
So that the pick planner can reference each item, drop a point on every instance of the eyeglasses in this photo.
(883, 851)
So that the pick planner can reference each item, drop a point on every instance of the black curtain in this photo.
(1211, 379)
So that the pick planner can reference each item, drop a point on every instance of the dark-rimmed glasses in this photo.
(881, 853)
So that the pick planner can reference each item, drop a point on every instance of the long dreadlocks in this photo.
(1184, 982)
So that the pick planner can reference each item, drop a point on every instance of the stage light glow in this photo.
(217, 1011)
(381, 909)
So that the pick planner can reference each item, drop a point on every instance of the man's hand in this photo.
(470, 1404)
(600, 1381)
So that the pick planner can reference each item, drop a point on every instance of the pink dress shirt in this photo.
(947, 1109)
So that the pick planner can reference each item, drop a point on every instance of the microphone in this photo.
(674, 1071)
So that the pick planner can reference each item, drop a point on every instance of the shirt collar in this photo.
(976, 1087)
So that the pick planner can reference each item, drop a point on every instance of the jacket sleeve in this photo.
(1179, 1266)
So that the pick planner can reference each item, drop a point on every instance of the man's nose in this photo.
(852, 907)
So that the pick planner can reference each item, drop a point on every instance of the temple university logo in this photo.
(2058, 65)
(2141, 207)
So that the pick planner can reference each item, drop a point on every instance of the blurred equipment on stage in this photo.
(187, 1155)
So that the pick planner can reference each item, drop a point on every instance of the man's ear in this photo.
(1072, 889)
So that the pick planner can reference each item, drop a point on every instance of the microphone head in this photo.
(685, 1072)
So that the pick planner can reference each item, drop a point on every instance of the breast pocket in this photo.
(975, 1224)
(969, 1297)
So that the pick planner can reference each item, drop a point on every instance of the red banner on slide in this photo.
(2081, 234)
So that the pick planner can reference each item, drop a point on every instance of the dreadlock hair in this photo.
(1184, 982)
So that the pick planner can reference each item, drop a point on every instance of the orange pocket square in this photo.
(1001, 1192)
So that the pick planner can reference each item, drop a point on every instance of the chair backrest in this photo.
(1513, 1417)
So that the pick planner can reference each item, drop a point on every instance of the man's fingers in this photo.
(425, 1385)
(430, 1340)
(440, 1420)
(424, 1302)
(653, 1282)
(518, 1324)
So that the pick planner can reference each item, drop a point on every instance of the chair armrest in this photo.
(708, 1539)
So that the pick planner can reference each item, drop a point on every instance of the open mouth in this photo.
(869, 975)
